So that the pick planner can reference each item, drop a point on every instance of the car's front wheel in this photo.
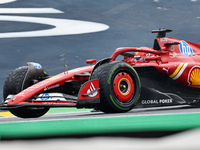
(119, 87)
(13, 85)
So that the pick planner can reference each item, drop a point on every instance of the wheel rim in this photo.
(123, 86)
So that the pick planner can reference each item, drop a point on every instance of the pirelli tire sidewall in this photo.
(109, 102)
(114, 101)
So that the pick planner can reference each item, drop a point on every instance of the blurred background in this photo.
(129, 24)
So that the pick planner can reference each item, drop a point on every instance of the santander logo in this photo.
(91, 91)
(51, 87)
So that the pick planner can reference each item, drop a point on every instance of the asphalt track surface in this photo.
(86, 113)
(111, 24)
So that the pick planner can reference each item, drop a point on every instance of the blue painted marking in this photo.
(185, 48)
(45, 97)
(36, 65)
(12, 96)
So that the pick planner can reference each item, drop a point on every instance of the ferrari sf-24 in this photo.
(168, 74)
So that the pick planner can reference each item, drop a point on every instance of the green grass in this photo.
(68, 109)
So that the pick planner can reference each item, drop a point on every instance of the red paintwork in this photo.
(183, 68)
(91, 61)
(54, 81)
(126, 95)
(88, 87)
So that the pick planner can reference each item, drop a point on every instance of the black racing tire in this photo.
(119, 87)
(13, 85)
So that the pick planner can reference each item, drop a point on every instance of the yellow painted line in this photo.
(176, 71)
(181, 71)
(6, 114)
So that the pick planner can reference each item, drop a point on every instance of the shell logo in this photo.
(194, 76)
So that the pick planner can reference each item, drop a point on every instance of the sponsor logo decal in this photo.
(36, 65)
(92, 88)
(166, 69)
(109, 79)
(194, 76)
(185, 48)
(164, 39)
(160, 101)
(179, 70)
(172, 54)
(51, 87)
(45, 97)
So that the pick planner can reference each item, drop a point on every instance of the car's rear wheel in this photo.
(119, 87)
(13, 85)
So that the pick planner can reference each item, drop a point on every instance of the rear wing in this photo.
(161, 32)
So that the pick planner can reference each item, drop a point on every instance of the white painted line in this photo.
(28, 10)
(160, 108)
(180, 72)
(6, 1)
(61, 27)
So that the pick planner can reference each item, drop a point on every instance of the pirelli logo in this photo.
(179, 71)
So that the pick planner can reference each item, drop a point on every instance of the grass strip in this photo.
(68, 109)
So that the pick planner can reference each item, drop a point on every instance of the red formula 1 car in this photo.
(167, 74)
